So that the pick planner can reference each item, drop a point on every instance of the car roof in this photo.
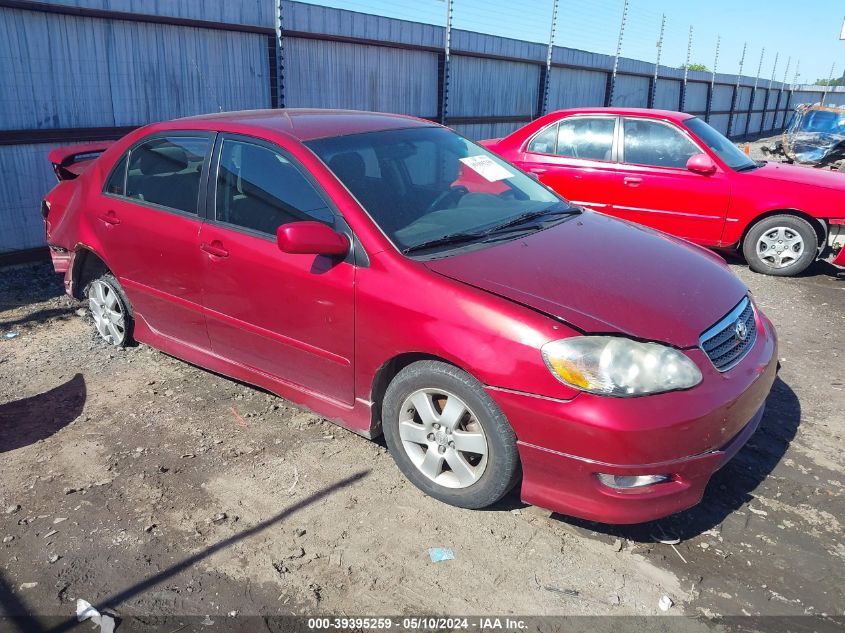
(306, 124)
(669, 115)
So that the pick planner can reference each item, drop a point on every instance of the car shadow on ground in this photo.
(34, 283)
(818, 268)
(20, 615)
(28, 420)
(40, 316)
(731, 487)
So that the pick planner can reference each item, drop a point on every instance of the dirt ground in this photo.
(138, 482)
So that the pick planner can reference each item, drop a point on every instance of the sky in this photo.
(807, 31)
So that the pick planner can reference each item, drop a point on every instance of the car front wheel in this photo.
(448, 436)
(780, 245)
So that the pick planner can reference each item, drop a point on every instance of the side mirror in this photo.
(311, 238)
(701, 164)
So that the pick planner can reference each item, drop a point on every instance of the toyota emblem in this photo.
(741, 330)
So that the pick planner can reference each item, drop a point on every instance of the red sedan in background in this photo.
(673, 172)
(397, 278)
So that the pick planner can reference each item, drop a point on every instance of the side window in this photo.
(586, 137)
(117, 181)
(166, 171)
(259, 189)
(544, 141)
(657, 144)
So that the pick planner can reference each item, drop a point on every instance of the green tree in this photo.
(700, 67)
(829, 82)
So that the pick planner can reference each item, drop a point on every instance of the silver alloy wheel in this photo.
(443, 438)
(107, 312)
(780, 247)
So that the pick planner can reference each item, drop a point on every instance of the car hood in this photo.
(801, 175)
(603, 275)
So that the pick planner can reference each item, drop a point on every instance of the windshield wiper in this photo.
(512, 224)
(531, 215)
(454, 238)
(754, 165)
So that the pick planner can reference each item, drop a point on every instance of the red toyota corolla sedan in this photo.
(397, 278)
(673, 172)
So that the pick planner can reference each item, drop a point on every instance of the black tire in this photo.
(502, 461)
(794, 225)
(114, 287)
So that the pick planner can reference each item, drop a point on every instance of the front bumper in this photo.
(687, 435)
(568, 484)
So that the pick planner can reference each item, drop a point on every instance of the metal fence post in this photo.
(712, 85)
(444, 70)
(769, 94)
(794, 82)
(827, 86)
(546, 71)
(612, 86)
(683, 99)
(735, 96)
(780, 93)
(652, 94)
(754, 92)
(277, 69)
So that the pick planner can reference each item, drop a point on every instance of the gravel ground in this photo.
(137, 481)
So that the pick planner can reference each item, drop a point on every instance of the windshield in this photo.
(730, 154)
(423, 184)
(823, 121)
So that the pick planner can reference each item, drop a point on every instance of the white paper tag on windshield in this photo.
(489, 169)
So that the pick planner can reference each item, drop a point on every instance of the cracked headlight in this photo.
(617, 366)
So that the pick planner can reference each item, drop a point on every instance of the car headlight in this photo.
(618, 366)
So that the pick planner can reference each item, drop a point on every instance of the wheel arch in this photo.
(818, 225)
(386, 373)
(87, 265)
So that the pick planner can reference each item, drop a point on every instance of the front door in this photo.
(288, 316)
(147, 223)
(656, 189)
(575, 158)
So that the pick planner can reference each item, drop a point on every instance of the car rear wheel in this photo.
(780, 245)
(110, 310)
(448, 436)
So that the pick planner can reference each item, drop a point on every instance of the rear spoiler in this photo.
(70, 161)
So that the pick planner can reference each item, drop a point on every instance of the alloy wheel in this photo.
(443, 438)
(107, 310)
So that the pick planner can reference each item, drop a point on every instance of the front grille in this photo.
(724, 343)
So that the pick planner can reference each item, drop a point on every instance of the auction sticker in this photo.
(489, 169)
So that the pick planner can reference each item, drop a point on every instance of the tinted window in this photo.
(117, 180)
(166, 171)
(658, 144)
(259, 189)
(586, 137)
(544, 141)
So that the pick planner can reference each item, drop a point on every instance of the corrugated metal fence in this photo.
(76, 70)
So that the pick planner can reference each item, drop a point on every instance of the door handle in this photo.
(632, 181)
(537, 170)
(215, 249)
(110, 217)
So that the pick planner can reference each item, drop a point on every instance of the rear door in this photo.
(655, 188)
(147, 223)
(288, 316)
(575, 157)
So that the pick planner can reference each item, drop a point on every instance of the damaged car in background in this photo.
(815, 136)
